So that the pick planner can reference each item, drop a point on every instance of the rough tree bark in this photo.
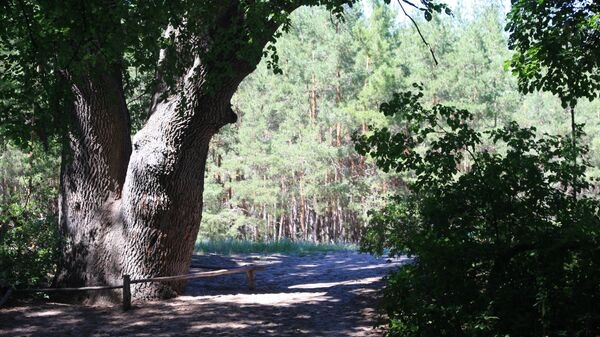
(134, 207)
(93, 172)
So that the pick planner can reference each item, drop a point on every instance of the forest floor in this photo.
(321, 294)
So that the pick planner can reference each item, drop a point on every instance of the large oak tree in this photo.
(130, 205)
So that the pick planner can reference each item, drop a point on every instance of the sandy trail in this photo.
(326, 294)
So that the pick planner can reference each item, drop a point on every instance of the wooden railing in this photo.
(250, 271)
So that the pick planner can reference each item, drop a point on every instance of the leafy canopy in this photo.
(45, 46)
(557, 46)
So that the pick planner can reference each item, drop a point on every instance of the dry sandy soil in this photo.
(325, 294)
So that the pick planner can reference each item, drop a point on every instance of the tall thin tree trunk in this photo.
(315, 222)
(338, 86)
(281, 227)
(302, 210)
(312, 99)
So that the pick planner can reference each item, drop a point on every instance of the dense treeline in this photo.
(288, 167)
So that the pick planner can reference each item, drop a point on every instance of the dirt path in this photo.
(333, 294)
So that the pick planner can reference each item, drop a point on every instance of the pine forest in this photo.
(288, 168)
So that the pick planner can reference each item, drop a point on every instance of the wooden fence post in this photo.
(6, 296)
(250, 274)
(126, 292)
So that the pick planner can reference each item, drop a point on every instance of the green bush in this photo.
(508, 247)
(27, 250)
(28, 226)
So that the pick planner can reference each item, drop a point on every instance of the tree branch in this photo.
(417, 27)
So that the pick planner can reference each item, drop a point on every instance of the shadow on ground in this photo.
(332, 294)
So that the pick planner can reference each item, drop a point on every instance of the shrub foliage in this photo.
(28, 229)
(503, 232)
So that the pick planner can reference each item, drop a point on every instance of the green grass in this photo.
(229, 247)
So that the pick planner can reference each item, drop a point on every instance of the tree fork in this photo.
(135, 207)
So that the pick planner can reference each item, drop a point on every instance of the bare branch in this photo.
(418, 30)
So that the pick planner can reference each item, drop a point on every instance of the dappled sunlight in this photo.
(294, 296)
(275, 299)
(308, 265)
(376, 266)
(48, 313)
(368, 280)
(303, 274)
(227, 325)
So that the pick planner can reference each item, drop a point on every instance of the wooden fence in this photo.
(250, 271)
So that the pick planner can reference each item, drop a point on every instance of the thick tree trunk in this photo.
(95, 157)
(162, 197)
(134, 207)
(134, 210)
